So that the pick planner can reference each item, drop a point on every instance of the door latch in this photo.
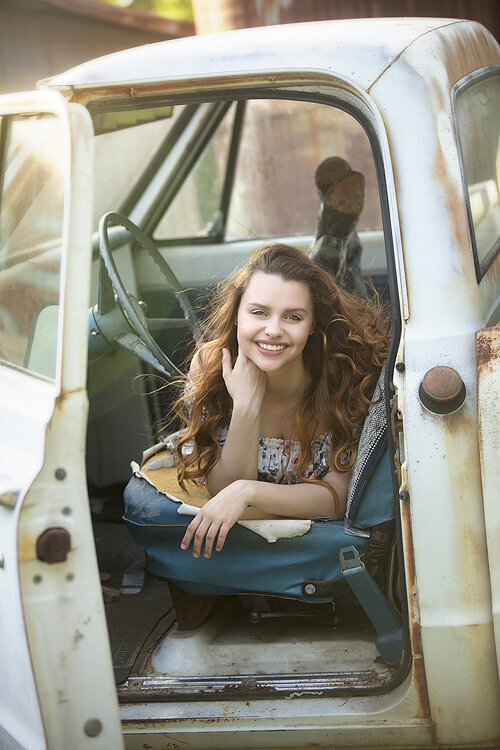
(53, 545)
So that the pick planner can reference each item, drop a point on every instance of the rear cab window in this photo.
(477, 115)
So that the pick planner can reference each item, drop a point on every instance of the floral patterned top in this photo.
(278, 458)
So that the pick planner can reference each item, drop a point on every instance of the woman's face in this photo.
(275, 318)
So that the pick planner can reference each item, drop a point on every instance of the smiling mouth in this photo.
(272, 347)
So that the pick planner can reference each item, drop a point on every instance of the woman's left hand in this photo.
(217, 516)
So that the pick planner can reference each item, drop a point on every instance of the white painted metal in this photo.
(64, 629)
(26, 415)
(488, 393)
(355, 50)
(382, 721)
(447, 519)
(276, 646)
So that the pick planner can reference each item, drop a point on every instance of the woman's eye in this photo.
(293, 316)
(258, 312)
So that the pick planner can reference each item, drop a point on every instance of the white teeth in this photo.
(272, 347)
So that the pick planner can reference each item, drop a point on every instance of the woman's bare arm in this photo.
(304, 500)
(239, 454)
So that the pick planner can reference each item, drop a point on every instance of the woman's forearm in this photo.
(304, 500)
(240, 452)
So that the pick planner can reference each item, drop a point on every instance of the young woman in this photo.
(278, 396)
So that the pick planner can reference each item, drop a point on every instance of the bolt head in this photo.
(92, 727)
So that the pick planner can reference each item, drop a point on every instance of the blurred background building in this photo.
(216, 15)
(39, 38)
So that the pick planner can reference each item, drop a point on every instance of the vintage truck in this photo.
(210, 145)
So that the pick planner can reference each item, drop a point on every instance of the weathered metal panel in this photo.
(356, 51)
(443, 478)
(488, 397)
(43, 439)
(20, 708)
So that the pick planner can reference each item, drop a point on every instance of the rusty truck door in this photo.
(57, 681)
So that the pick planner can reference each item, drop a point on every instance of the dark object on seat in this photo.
(336, 245)
(377, 555)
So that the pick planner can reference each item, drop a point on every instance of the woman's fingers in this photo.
(204, 529)
(201, 528)
(227, 367)
(190, 531)
(210, 538)
(213, 521)
(223, 531)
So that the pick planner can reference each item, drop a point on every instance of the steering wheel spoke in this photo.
(134, 335)
(105, 295)
(133, 344)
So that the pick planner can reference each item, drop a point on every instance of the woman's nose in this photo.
(273, 326)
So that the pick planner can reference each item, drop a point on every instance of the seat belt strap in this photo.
(382, 616)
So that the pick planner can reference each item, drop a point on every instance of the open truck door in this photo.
(52, 624)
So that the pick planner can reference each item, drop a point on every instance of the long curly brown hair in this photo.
(343, 359)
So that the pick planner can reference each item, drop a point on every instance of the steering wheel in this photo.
(120, 318)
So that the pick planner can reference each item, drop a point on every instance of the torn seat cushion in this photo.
(246, 564)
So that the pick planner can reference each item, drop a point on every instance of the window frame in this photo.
(481, 266)
(241, 98)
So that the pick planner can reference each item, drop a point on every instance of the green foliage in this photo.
(178, 10)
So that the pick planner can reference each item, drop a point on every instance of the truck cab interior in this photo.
(187, 191)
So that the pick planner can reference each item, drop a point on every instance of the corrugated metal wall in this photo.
(216, 15)
(36, 43)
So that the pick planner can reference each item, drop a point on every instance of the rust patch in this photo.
(61, 398)
(451, 188)
(442, 383)
(455, 424)
(133, 91)
(9, 499)
(487, 348)
(461, 450)
(26, 544)
(470, 49)
(419, 677)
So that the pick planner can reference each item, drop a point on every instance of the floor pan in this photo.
(137, 605)
(229, 645)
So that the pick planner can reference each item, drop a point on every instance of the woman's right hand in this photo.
(246, 384)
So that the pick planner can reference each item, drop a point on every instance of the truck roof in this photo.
(357, 51)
